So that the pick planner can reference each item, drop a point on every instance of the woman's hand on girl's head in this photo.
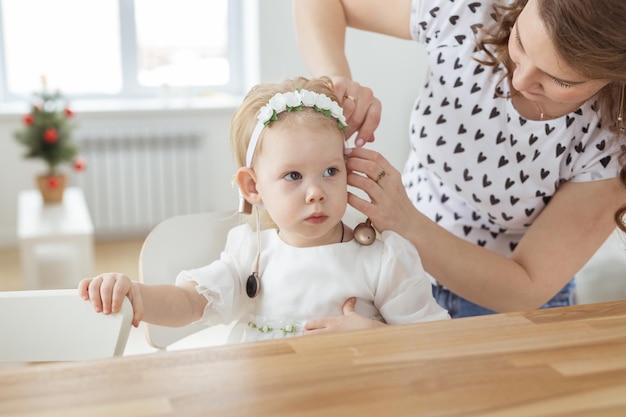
(107, 291)
(361, 109)
(388, 207)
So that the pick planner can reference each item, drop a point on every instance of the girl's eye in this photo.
(561, 83)
(293, 176)
(331, 172)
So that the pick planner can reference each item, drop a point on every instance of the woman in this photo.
(513, 177)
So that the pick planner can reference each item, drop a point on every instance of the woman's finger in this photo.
(361, 109)
(368, 162)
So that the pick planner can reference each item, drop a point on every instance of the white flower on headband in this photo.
(309, 98)
(265, 114)
(295, 100)
(278, 103)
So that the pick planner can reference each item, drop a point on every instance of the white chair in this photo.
(178, 243)
(57, 325)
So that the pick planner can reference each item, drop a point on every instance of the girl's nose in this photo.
(315, 194)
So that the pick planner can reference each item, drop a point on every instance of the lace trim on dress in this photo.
(213, 297)
(287, 329)
(272, 328)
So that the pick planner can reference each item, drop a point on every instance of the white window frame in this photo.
(131, 89)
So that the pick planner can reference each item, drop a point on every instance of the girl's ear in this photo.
(246, 179)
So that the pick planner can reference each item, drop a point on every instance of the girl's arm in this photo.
(165, 305)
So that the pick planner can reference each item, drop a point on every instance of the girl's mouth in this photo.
(317, 219)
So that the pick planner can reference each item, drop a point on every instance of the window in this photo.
(120, 48)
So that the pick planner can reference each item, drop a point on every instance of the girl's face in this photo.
(302, 181)
(539, 74)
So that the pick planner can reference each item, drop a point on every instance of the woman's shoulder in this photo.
(450, 21)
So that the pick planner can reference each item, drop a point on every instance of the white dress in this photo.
(299, 284)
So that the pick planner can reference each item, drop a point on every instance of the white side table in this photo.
(56, 240)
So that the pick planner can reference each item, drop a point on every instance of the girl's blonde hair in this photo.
(245, 118)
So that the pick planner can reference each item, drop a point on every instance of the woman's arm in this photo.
(321, 28)
(321, 34)
(561, 240)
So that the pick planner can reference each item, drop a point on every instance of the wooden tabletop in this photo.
(559, 362)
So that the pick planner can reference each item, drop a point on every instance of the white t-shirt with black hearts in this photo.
(476, 166)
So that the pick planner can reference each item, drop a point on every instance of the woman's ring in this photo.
(380, 176)
(349, 98)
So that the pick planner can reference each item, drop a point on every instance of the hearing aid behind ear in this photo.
(244, 205)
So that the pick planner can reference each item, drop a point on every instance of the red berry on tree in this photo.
(80, 164)
(50, 135)
(68, 112)
(53, 182)
(28, 119)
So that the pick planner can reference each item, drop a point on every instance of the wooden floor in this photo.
(110, 256)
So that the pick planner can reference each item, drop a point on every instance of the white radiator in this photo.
(136, 179)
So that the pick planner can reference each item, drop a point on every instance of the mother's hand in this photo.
(350, 320)
(361, 109)
(388, 207)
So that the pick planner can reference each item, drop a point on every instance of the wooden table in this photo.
(560, 362)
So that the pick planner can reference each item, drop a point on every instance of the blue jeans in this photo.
(459, 307)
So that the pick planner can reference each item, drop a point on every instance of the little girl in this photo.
(299, 261)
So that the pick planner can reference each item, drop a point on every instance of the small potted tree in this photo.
(46, 134)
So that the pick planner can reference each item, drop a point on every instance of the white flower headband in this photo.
(290, 101)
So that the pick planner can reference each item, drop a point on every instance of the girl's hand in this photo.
(361, 108)
(107, 291)
(349, 321)
(389, 207)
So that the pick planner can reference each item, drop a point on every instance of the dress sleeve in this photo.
(404, 293)
(222, 282)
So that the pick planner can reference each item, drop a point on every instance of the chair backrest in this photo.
(178, 243)
(57, 325)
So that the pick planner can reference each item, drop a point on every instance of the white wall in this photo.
(391, 67)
